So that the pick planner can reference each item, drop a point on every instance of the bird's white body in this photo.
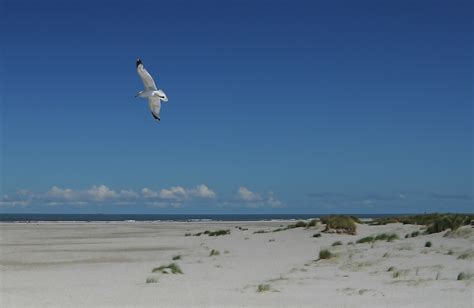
(147, 94)
(153, 95)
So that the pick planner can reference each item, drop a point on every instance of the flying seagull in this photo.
(154, 95)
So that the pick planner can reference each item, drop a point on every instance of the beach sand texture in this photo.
(109, 264)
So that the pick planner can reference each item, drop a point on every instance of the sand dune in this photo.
(105, 265)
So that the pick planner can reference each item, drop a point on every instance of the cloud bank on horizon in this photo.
(175, 197)
(203, 197)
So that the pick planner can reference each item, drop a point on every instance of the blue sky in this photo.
(274, 106)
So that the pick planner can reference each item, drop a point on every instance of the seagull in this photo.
(154, 95)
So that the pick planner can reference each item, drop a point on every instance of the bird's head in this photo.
(162, 95)
(139, 62)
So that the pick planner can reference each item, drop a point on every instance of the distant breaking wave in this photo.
(151, 218)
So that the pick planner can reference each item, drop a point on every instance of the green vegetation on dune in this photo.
(337, 243)
(212, 233)
(217, 232)
(435, 222)
(214, 252)
(263, 288)
(345, 224)
(151, 280)
(172, 267)
(389, 237)
(325, 254)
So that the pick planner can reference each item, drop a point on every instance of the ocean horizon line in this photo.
(98, 217)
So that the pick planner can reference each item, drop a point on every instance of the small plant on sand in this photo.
(350, 243)
(261, 231)
(263, 288)
(386, 237)
(187, 234)
(465, 256)
(337, 243)
(172, 267)
(177, 257)
(428, 244)
(464, 276)
(214, 253)
(380, 237)
(317, 235)
(390, 269)
(396, 274)
(151, 280)
(217, 232)
(367, 239)
(415, 233)
(325, 254)
(385, 255)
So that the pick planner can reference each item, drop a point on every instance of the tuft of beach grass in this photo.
(214, 252)
(172, 267)
(325, 254)
(263, 288)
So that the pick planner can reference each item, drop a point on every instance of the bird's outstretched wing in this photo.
(155, 106)
(146, 77)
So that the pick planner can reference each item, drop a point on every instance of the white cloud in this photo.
(243, 193)
(61, 194)
(202, 191)
(175, 193)
(101, 193)
(255, 200)
(149, 193)
(272, 201)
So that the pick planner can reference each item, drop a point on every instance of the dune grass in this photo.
(464, 276)
(177, 257)
(325, 254)
(172, 267)
(213, 233)
(317, 235)
(428, 244)
(339, 222)
(367, 239)
(389, 237)
(337, 243)
(217, 232)
(466, 255)
(151, 280)
(435, 222)
(214, 252)
(263, 288)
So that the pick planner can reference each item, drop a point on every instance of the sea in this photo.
(130, 218)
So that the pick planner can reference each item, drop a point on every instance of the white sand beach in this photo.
(108, 264)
